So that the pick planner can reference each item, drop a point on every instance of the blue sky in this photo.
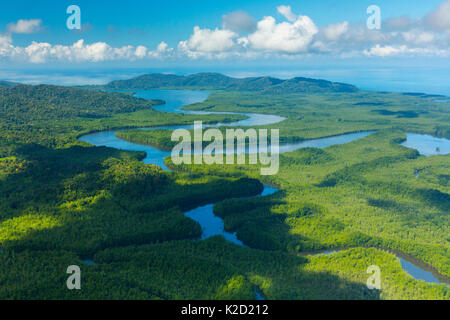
(150, 22)
(149, 33)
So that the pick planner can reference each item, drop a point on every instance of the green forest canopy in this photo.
(63, 201)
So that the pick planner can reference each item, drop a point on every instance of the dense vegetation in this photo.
(55, 116)
(159, 138)
(62, 201)
(362, 193)
(215, 81)
(319, 115)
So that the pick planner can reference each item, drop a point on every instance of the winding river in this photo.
(413, 266)
(204, 215)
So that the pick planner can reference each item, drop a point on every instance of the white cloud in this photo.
(439, 19)
(38, 52)
(418, 37)
(98, 51)
(5, 41)
(243, 42)
(25, 26)
(140, 52)
(162, 47)
(334, 31)
(295, 36)
(41, 52)
(284, 37)
(162, 51)
(385, 50)
(287, 13)
(238, 21)
(321, 46)
(206, 42)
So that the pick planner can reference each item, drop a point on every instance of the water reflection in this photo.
(427, 145)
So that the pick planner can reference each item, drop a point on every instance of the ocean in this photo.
(431, 80)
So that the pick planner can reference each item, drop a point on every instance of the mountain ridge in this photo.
(217, 81)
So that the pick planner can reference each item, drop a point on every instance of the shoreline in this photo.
(397, 253)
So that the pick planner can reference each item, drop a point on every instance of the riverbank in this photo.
(204, 215)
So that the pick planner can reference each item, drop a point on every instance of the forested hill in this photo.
(7, 83)
(43, 113)
(54, 116)
(216, 81)
(28, 103)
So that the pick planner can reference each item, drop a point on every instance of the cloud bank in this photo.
(241, 36)
(41, 52)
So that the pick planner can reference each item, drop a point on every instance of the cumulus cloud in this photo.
(6, 47)
(334, 31)
(299, 35)
(287, 13)
(439, 19)
(206, 42)
(41, 52)
(240, 36)
(140, 52)
(384, 51)
(24, 26)
(5, 40)
(238, 21)
(285, 37)
(38, 52)
(162, 51)
(162, 47)
(398, 36)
